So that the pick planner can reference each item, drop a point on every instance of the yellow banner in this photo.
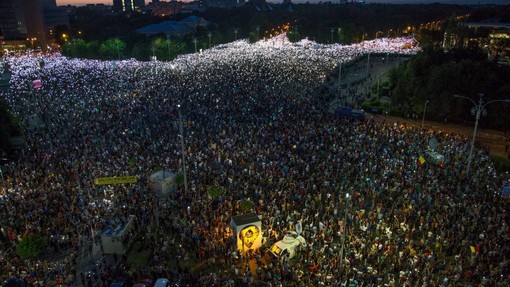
(115, 180)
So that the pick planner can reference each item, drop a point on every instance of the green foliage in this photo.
(9, 125)
(112, 49)
(501, 164)
(246, 206)
(32, 246)
(253, 37)
(437, 75)
(293, 36)
(179, 180)
(215, 191)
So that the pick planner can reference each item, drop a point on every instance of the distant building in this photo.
(181, 28)
(12, 20)
(493, 37)
(174, 7)
(30, 20)
(128, 5)
(223, 3)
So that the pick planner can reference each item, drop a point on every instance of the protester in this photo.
(256, 123)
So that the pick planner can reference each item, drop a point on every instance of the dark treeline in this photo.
(436, 75)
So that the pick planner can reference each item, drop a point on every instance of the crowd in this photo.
(256, 123)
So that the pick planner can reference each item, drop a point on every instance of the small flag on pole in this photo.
(421, 160)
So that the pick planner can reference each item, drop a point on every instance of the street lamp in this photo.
(477, 110)
(182, 150)
(339, 78)
(32, 40)
(347, 197)
(209, 35)
(195, 42)
(168, 46)
(235, 33)
(424, 111)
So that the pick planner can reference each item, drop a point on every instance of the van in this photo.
(288, 247)
(161, 282)
(435, 158)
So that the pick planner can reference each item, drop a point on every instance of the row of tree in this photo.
(116, 49)
(435, 75)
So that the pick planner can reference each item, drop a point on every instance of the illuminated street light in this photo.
(183, 158)
(477, 110)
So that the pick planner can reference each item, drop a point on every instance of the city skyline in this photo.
(467, 2)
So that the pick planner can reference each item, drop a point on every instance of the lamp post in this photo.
(209, 35)
(235, 33)
(168, 46)
(183, 158)
(332, 31)
(195, 42)
(477, 110)
(339, 78)
(258, 29)
(347, 197)
(424, 111)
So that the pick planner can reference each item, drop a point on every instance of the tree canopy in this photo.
(436, 75)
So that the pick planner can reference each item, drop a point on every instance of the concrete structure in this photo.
(117, 237)
(162, 182)
(247, 229)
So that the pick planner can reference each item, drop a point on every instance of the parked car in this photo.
(118, 284)
(143, 283)
(162, 282)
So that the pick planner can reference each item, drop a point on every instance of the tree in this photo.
(112, 48)
(31, 246)
(246, 206)
(215, 191)
(77, 48)
(437, 75)
(8, 125)
(179, 180)
(293, 36)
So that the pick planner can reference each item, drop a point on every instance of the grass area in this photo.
(138, 258)
(501, 163)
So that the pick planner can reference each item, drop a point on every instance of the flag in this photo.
(421, 160)
(37, 84)
(474, 249)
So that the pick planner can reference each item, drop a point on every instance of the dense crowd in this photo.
(256, 124)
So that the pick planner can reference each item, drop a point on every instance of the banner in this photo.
(37, 84)
(115, 180)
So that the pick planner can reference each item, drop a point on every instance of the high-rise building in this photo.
(128, 5)
(12, 21)
(30, 20)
